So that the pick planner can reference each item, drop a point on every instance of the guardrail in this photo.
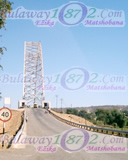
(92, 128)
(19, 132)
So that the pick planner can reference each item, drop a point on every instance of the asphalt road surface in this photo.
(42, 124)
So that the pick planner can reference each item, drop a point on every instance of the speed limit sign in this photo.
(5, 114)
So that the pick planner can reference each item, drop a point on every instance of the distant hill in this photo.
(93, 108)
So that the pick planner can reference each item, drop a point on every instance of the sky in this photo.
(100, 52)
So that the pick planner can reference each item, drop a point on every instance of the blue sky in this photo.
(101, 50)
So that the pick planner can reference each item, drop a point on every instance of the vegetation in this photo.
(101, 117)
(113, 117)
(5, 7)
(72, 111)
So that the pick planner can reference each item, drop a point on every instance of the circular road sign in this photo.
(5, 114)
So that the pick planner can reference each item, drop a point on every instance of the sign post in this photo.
(5, 115)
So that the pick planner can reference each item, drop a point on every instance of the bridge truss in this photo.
(33, 87)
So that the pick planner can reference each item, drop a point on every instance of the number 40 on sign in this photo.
(5, 114)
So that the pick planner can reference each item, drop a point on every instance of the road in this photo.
(41, 124)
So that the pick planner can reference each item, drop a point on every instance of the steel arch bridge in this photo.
(33, 83)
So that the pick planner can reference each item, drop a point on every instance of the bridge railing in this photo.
(92, 128)
(19, 132)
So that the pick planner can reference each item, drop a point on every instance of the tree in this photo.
(127, 123)
(5, 7)
(72, 111)
(82, 113)
(69, 111)
(101, 115)
(125, 113)
(118, 118)
(113, 117)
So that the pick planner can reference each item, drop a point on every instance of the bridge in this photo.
(33, 87)
(43, 124)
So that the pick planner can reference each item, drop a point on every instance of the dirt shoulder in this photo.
(11, 127)
(74, 118)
